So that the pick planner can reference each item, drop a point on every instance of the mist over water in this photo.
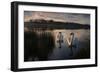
(43, 45)
(81, 40)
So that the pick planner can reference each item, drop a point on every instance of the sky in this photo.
(57, 16)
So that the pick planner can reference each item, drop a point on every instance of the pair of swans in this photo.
(69, 40)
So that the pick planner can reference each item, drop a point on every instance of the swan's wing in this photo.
(68, 41)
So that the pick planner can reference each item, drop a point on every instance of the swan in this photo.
(70, 40)
(60, 39)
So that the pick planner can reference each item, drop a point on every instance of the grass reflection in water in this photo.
(37, 45)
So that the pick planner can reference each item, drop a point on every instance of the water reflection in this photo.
(37, 45)
(41, 45)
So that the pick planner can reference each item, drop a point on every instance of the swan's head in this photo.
(59, 32)
(71, 33)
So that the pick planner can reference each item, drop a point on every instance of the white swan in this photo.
(70, 39)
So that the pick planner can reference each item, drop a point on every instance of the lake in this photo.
(44, 45)
(81, 40)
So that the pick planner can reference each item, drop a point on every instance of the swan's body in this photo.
(60, 39)
(70, 40)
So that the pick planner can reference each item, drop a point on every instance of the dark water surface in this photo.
(42, 45)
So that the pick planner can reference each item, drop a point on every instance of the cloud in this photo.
(65, 17)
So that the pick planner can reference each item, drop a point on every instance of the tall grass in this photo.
(37, 45)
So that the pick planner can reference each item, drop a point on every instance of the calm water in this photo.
(80, 49)
(81, 40)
